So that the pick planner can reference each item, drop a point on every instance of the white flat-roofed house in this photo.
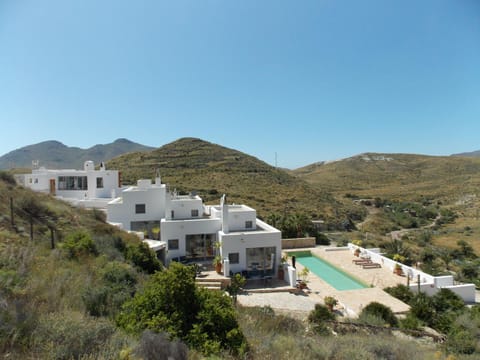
(88, 187)
(139, 208)
(245, 243)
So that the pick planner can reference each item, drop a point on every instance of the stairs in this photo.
(211, 284)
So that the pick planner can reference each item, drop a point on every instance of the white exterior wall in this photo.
(238, 215)
(122, 210)
(178, 229)
(238, 242)
(182, 207)
(428, 284)
(39, 180)
(110, 184)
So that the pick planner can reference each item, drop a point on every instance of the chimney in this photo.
(223, 203)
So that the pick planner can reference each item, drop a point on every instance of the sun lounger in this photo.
(362, 261)
(372, 266)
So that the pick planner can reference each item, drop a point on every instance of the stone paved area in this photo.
(279, 301)
(351, 302)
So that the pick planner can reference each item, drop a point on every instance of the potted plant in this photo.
(281, 271)
(330, 302)
(217, 263)
(304, 275)
(357, 252)
(398, 270)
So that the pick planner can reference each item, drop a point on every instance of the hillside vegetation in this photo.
(96, 292)
(435, 197)
(397, 176)
(210, 170)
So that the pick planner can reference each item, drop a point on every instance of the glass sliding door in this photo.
(200, 246)
(260, 261)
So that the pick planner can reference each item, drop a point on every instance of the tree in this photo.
(236, 284)
(170, 302)
(142, 257)
(167, 303)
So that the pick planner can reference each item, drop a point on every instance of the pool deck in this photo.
(354, 300)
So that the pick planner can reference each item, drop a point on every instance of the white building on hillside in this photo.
(192, 231)
(87, 187)
(139, 208)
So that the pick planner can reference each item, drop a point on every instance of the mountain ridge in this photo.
(395, 175)
(56, 155)
(192, 164)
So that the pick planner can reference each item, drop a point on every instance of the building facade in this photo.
(89, 187)
(194, 232)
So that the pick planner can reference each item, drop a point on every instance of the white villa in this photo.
(192, 231)
(87, 187)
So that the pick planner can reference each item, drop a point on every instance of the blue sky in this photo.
(308, 80)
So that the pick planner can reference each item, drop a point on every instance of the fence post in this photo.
(11, 212)
(52, 238)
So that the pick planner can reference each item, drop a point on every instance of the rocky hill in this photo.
(55, 155)
(191, 164)
(396, 176)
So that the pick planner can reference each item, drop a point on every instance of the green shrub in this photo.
(447, 300)
(321, 239)
(70, 335)
(170, 302)
(421, 306)
(117, 286)
(78, 244)
(380, 311)
(460, 341)
(7, 178)
(401, 292)
(410, 322)
(141, 256)
(318, 317)
(157, 346)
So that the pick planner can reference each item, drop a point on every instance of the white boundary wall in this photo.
(428, 283)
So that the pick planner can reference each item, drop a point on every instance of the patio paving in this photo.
(355, 300)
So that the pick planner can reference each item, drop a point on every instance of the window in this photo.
(172, 213)
(139, 208)
(233, 258)
(72, 183)
(99, 183)
(194, 212)
(248, 224)
(173, 244)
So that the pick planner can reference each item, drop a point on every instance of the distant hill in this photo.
(400, 176)
(191, 164)
(469, 154)
(55, 155)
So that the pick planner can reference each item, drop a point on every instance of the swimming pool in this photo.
(337, 278)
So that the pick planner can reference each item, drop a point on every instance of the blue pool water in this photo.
(329, 273)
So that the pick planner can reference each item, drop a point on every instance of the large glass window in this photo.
(260, 261)
(200, 246)
(72, 183)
